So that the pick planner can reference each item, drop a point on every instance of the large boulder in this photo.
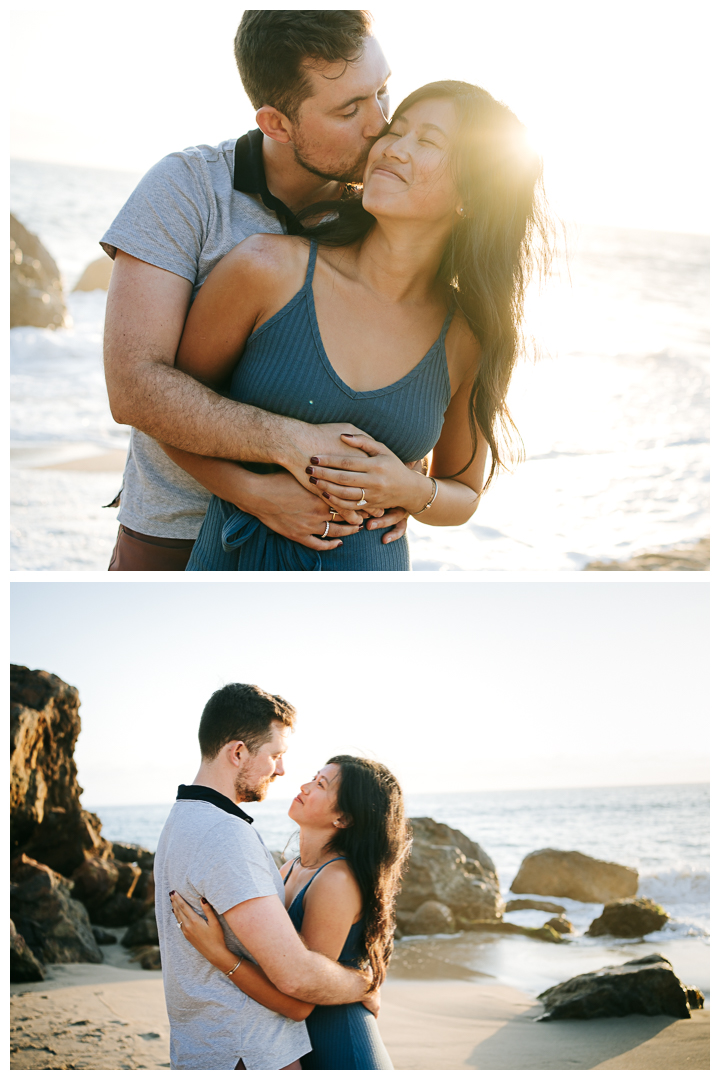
(36, 295)
(118, 910)
(648, 986)
(24, 964)
(47, 821)
(142, 932)
(629, 918)
(96, 275)
(570, 873)
(449, 868)
(94, 881)
(133, 853)
(55, 926)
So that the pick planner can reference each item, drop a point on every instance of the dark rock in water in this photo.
(103, 937)
(24, 964)
(447, 867)
(119, 910)
(534, 905)
(561, 924)
(484, 926)
(36, 295)
(142, 932)
(648, 986)
(148, 957)
(570, 873)
(133, 853)
(430, 918)
(47, 821)
(58, 927)
(94, 881)
(128, 877)
(629, 918)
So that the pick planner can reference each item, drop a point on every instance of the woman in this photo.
(340, 893)
(399, 316)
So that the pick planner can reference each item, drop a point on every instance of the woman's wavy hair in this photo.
(504, 237)
(376, 844)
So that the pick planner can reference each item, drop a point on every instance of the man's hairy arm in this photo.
(146, 310)
(265, 929)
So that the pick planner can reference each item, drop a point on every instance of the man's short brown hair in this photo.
(270, 47)
(241, 712)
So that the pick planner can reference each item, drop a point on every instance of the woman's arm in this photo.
(208, 938)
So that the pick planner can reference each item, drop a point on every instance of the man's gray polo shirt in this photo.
(206, 851)
(184, 216)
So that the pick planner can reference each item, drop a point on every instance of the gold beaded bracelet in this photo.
(431, 500)
(234, 969)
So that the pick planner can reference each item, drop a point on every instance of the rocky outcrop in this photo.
(430, 918)
(36, 295)
(492, 926)
(142, 932)
(448, 868)
(55, 926)
(648, 986)
(683, 557)
(561, 924)
(534, 905)
(570, 873)
(47, 821)
(629, 918)
(24, 964)
(96, 275)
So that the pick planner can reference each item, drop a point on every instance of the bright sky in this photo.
(461, 686)
(616, 93)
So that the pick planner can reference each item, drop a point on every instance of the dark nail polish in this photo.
(172, 893)
(313, 480)
(339, 543)
(314, 461)
(309, 470)
(203, 900)
(324, 493)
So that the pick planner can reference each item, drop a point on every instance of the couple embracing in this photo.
(265, 969)
(298, 318)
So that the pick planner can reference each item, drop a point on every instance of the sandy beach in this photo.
(112, 1016)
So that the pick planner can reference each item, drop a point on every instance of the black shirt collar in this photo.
(199, 793)
(249, 177)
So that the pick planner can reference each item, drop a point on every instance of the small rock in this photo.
(142, 932)
(36, 295)
(103, 937)
(430, 918)
(148, 956)
(570, 873)
(561, 924)
(648, 986)
(629, 918)
(534, 905)
(96, 275)
(492, 926)
(119, 910)
(132, 853)
(24, 964)
(94, 881)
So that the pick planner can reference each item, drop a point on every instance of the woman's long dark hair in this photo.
(376, 844)
(504, 236)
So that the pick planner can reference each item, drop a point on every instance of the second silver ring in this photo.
(327, 530)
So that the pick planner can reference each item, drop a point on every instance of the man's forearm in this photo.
(323, 982)
(193, 417)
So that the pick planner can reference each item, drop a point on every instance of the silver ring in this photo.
(179, 926)
(363, 500)
(327, 530)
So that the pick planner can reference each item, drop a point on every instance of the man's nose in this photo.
(279, 768)
(376, 122)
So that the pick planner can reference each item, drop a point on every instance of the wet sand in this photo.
(99, 1016)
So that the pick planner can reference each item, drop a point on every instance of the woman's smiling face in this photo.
(408, 171)
(316, 803)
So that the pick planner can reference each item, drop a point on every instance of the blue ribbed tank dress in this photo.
(342, 1036)
(284, 369)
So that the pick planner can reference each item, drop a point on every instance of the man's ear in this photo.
(274, 124)
(235, 752)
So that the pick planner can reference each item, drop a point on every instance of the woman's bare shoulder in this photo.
(337, 880)
(461, 346)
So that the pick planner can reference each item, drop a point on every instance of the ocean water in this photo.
(660, 830)
(614, 415)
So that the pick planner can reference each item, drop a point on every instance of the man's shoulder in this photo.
(199, 158)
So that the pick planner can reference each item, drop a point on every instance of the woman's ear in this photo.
(342, 822)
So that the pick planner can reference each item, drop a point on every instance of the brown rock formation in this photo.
(55, 926)
(36, 295)
(447, 867)
(534, 905)
(570, 873)
(682, 557)
(47, 821)
(24, 964)
(96, 275)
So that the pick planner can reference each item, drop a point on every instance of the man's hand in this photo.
(288, 509)
(308, 440)
(372, 1002)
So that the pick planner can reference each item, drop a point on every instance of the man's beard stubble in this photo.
(245, 793)
(348, 176)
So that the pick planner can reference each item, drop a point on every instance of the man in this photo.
(208, 848)
(319, 82)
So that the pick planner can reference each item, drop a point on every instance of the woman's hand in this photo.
(205, 935)
(371, 1002)
(381, 475)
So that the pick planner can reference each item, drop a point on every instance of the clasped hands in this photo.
(376, 475)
